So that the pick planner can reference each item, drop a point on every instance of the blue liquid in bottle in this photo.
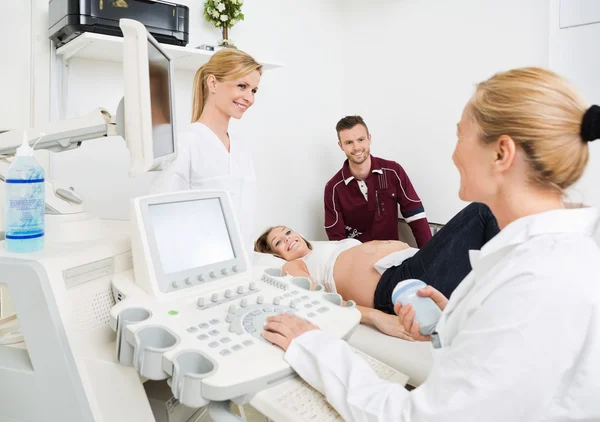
(25, 202)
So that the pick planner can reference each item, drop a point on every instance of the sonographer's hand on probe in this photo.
(406, 313)
(283, 328)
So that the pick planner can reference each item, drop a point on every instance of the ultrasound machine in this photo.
(193, 309)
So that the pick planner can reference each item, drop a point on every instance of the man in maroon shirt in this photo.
(361, 200)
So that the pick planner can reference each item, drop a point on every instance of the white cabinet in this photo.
(15, 71)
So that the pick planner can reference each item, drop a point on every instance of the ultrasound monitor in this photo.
(186, 239)
(146, 115)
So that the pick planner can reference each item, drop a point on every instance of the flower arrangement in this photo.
(224, 14)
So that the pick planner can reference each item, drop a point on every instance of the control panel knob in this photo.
(240, 290)
(215, 297)
(212, 274)
(174, 284)
(224, 271)
(252, 285)
(232, 309)
(200, 277)
(232, 328)
(188, 281)
(244, 303)
(201, 302)
(228, 293)
(277, 300)
(229, 317)
(235, 269)
(293, 304)
(260, 299)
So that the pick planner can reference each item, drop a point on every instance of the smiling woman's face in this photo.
(287, 244)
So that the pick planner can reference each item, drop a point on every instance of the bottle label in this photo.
(25, 207)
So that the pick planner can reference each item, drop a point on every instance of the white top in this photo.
(520, 337)
(203, 163)
(320, 262)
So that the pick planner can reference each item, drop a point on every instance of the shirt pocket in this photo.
(385, 201)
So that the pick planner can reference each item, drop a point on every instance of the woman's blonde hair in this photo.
(262, 244)
(225, 65)
(543, 114)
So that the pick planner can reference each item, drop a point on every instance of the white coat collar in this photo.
(573, 220)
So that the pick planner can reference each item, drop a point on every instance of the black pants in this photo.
(443, 262)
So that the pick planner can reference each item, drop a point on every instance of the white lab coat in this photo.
(203, 163)
(520, 337)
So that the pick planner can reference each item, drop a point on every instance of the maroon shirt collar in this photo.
(347, 175)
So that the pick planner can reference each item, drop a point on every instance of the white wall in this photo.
(411, 66)
(24, 77)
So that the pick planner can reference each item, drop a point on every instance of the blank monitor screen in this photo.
(190, 234)
(160, 103)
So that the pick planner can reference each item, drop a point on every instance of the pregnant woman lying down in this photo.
(368, 272)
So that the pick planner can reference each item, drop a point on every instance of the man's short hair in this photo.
(349, 122)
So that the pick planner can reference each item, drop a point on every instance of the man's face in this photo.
(356, 144)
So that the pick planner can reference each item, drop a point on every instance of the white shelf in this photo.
(110, 48)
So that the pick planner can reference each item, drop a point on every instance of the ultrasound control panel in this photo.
(210, 346)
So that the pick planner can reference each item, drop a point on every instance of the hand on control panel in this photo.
(282, 329)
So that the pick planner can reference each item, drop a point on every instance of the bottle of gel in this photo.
(25, 202)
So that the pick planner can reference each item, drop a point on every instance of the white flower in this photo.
(240, 2)
(220, 7)
(215, 14)
(224, 18)
(233, 22)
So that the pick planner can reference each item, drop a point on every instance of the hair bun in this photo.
(590, 125)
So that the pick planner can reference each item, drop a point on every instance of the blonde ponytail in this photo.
(224, 65)
(200, 94)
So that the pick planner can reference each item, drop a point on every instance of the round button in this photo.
(293, 304)
(215, 297)
(212, 274)
(232, 328)
(240, 289)
(228, 293)
(232, 309)
(229, 317)
(201, 302)
(188, 281)
(277, 300)
(224, 271)
(252, 285)
(244, 303)
(200, 278)
(260, 299)
(174, 284)
(235, 269)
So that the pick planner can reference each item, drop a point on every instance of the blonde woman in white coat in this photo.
(209, 156)
(520, 336)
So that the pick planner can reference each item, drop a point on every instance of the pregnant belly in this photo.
(355, 276)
